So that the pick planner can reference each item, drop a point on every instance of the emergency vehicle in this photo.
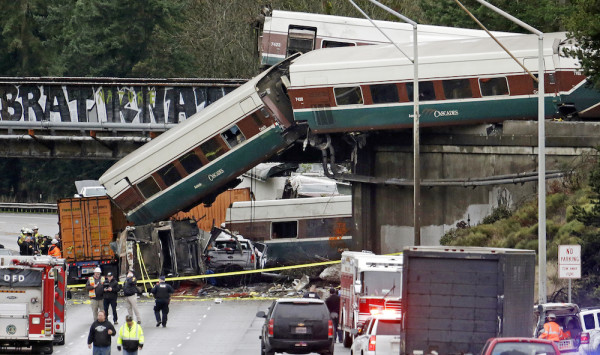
(370, 284)
(32, 302)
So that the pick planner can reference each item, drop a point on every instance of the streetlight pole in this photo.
(416, 134)
(541, 150)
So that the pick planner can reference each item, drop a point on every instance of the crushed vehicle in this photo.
(226, 252)
(169, 248)
(568, 318)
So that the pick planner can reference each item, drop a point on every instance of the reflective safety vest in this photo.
(92, 292)
(54, 251)
(131, 338)
(552, 331)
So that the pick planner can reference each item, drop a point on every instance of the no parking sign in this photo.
(569, 261)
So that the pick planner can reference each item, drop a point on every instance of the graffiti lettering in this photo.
(104, 103)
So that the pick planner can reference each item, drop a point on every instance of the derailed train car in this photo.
(349, 89)
(203, 156)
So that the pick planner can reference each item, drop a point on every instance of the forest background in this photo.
(218, 39)
(189, 38)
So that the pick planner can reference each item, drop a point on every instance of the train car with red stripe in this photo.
(32, 302)
(460, 82)
(202, 156)
(283, 33)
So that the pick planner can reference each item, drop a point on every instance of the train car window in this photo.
(169, 174)
(426, 91)
(148, 187)
(190, 162)
(348, 95)
(336, 44)
(457, 89)
(233, 136)
(384, 93)
(493, 86)
(212, 149)
(301, 39)
(287, 229)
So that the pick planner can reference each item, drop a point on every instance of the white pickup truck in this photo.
(226, 252)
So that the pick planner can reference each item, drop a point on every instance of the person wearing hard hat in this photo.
(552, 331)
(54, 250)
(95, 288)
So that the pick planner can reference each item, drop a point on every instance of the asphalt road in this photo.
(11, 224)
(194, 327)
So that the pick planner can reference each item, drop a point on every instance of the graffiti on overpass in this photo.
(115, 104)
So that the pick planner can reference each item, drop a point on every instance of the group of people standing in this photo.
(31, 242)
(103, 293)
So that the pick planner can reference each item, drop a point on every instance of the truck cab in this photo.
(32, 302)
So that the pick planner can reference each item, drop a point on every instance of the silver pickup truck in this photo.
(228, 252)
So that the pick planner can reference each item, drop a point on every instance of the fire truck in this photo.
(32, 302)
(370, 284)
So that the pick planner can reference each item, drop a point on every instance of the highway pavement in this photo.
(195, 327)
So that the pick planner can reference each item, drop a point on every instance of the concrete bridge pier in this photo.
(383, 213)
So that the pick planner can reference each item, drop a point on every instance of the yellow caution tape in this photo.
(234, 273)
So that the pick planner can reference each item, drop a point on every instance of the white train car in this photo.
(460, 82)
(200, 157)
(297, 229)
(285, 33)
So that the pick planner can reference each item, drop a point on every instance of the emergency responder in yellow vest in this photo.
(21, 240)
(37, 237)
(552, 331)
(131, 337)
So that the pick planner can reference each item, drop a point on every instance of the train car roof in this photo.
(347, 28)
(164, 140)
(334, 64)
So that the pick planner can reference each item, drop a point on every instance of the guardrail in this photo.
(21, 207)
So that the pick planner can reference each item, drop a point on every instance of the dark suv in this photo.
(297, 326)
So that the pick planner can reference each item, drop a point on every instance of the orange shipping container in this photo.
(216, 213)
(87, 226)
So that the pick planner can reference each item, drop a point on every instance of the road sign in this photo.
(569, 261)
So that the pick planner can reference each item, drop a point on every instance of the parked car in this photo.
(590, 336)
(296, 326)
(567, 316)
(380, 334)
(519, 346)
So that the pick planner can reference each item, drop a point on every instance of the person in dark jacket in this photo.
(333, 305)
(111, 289)
(130, 291)
(100, 333)
(162, 294)
(95, 288)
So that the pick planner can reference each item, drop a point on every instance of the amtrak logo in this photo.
(11, 329)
